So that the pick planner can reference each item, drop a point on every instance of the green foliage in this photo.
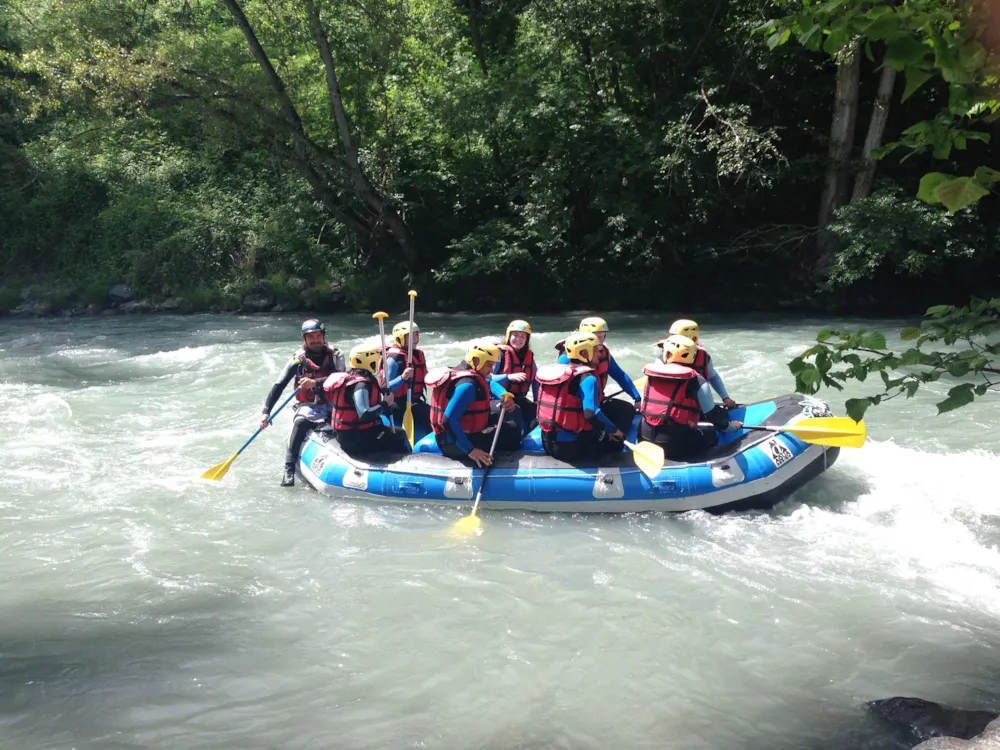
(971, 353)
(889, 232)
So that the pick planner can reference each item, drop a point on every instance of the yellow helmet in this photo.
(593, 325)
(685, 328)
(400, 330)
(517, 325)
(364, 357)
(581, 347)
(480, 354)
(679, 349)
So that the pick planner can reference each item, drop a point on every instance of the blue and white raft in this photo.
(747, 470)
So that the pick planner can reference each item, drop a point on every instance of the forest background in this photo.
(500, 154)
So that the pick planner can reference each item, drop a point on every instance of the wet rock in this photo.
(119, 294)
(92, 309)
(32, 308)
(297, 283)
(988, 740)
(140, 306)
(169, 305)
(282, 307)
(260, 298)
(30, 293)
(924, 720)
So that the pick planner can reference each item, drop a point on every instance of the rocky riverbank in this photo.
(37, 300)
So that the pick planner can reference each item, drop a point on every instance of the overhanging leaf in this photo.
(929, 184)
(959, 192)
(915, 78)
(904, 50)
(909, 334)
(856, 408)
(986, 176)
(960, 395)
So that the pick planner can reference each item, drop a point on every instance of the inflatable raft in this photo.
(746, 470)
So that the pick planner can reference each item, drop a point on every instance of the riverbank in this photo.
(283, 294)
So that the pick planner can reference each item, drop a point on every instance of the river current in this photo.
(146, 608)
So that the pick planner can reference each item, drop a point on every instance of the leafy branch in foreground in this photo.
(972, 354)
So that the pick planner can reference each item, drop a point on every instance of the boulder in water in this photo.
(120, 294)
(988, 740)
(924, 720)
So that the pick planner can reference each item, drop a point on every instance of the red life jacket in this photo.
(665, 398)
(419, 371)
(511, 363)
(559, 408)
(339, 388)
(476, 417)
(601, 366)
(701, 360)
(309, 369)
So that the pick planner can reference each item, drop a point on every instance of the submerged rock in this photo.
(924, 720)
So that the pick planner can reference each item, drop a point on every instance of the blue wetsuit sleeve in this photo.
(563, 359)
(592, 403)
(366, 412)
(394, 374)
(621, 377)
(465, 394)
(496, 377)
(286, 377)
(716, 380)
(496, 388)
(707, 403)
(534, 391)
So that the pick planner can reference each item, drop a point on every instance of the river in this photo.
(146, 608)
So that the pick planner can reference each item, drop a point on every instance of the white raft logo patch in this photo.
(316, 467)
(778, 452)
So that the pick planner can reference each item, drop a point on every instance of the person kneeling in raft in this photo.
(574, 427)
(619, 411)
(405, 374)
(462, 416)
(357, 406)
(703, 360)
(673, 401)
(516, 370)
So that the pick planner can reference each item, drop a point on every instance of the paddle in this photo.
(648, 457)
(218, 471)
(380, 317)
(468, 524)
(408, 414)
(840, 432)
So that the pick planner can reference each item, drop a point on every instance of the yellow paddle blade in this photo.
(218, 471)
(648, 457)
(640, 383)
(467, 525)
(408, 422)
(842, 432)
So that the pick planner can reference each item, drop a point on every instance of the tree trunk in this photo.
(362, 185)
(845, 115)
(876, 129)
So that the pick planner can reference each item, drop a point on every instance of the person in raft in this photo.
(516, 370)
(309, 366)
(703, 360)
(404, 373)
(357, 406)
(463, 413)
(618, 411)
(574, 426)
(674, 399)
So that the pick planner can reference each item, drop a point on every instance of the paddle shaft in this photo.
(409, 352)
(385, 364)
(486, 471)
(269, 420)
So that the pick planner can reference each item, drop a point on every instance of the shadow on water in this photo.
(64, 663)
